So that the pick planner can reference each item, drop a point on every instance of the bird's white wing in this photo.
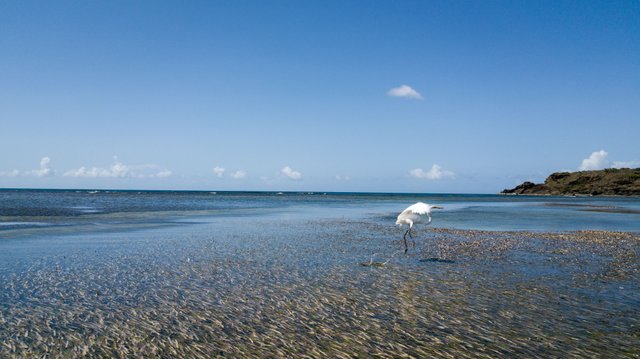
(418, 208)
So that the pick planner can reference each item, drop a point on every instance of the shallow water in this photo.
(285, 279)
(28, 212)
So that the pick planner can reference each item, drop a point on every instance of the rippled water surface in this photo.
(23, 209)
(158, 274)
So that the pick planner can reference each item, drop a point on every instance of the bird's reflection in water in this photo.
(372, 263)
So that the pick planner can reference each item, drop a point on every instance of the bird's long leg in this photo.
(406, 247)
(413, 241)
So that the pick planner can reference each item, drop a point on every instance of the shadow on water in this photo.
(436, 260)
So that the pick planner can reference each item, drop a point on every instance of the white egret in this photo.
(412, 215)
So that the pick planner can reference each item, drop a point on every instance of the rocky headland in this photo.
(607, 182)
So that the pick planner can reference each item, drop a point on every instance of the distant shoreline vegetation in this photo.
(607, 182)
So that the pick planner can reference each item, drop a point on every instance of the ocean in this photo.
(102, 273)
(22, 211)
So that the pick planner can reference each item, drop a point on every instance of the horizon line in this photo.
(239, 191)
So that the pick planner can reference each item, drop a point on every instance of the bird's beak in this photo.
(437, 207)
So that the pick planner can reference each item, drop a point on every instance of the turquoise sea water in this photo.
(27, 212)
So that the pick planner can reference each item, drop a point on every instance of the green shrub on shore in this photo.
(608, 182)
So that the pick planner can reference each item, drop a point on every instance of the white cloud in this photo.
(88, 173)
(218, 171)
(164, 174)
(44, 170)
(436, 172)
(597, 161)
(404, 91)
(12, 173)
(120, 170)
(239, 174)
(292, 174)
(342, 178)
(625, 164)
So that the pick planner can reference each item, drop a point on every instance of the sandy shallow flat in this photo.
(297, 288)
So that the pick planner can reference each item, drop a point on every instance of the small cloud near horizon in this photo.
(239, 174)
(119, 170)
(218, 171)
(164, 174)
(291, 173)
(598, 160)
(12, 173)
(626, 164)
(404, 91)
(435, 173)
(44, 170)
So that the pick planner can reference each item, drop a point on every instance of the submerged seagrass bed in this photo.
(297, 289)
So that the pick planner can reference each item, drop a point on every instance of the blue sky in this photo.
(396, 96)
